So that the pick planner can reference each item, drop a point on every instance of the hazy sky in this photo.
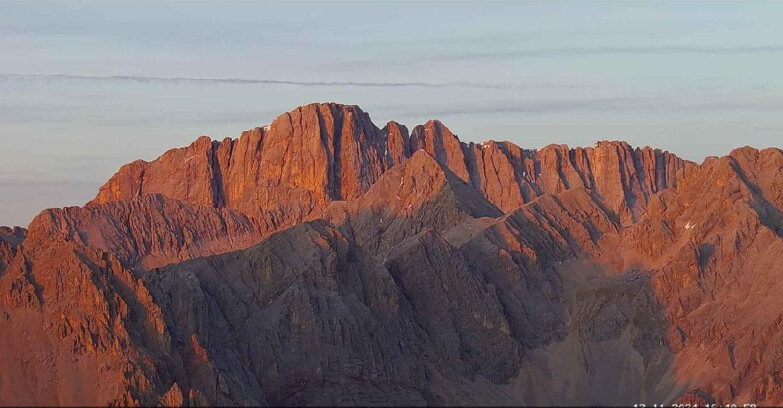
(694, 78)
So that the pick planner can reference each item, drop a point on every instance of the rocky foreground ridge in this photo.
(321, 260)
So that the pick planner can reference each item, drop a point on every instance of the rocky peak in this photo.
(13, 234)
(416, 195)
(436, 139)
(321, 260)
(311, 155)
(398, 141)
(323, 152)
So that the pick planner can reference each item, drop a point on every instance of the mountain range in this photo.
(321, 260)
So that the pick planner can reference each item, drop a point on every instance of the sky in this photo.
(88, 86)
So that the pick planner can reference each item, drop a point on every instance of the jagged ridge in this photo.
(324, 152)
(428, 271)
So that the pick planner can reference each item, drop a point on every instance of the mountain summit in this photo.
(322, 260)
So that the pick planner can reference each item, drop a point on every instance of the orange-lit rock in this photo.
(319, 153)
(324, 261)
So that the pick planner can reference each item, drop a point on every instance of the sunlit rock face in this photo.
(321, 260)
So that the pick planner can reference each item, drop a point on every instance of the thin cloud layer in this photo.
(631, 104)
(608, 50)
(250, 81)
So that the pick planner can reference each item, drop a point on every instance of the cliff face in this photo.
(325, 152)
(282, 172)
(77, 329)
(716, 244)
(151, 230)
(324, 261)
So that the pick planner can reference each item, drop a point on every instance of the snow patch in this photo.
(267, 127)
(689, 225)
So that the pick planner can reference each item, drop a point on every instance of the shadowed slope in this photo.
(324, 326)
(324, 261)
(412, 197)
(715, 247)
(10, 239)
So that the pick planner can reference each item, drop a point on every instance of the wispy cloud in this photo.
(638, 104)
(560, 52)
(605, 50)
(35, 184)
(251, 81)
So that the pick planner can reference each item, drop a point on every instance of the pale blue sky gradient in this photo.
(695, 78)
